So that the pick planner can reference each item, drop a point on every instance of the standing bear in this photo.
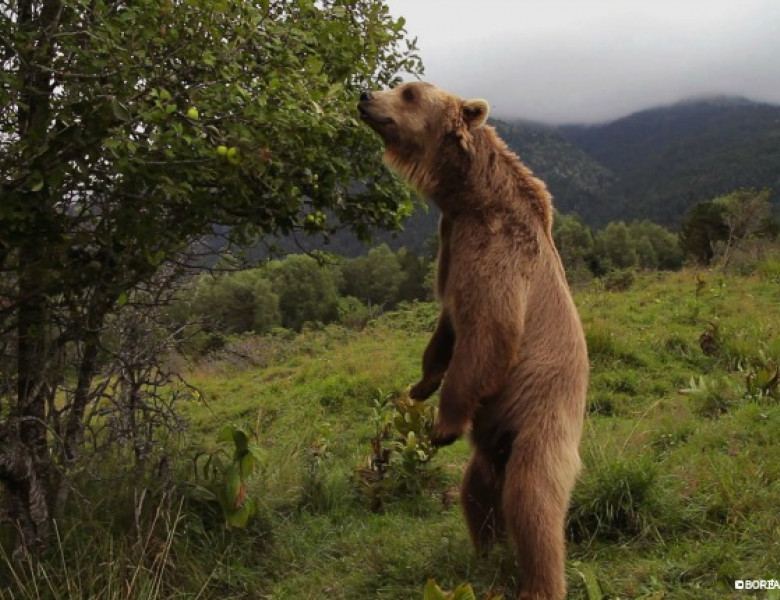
(508, 349)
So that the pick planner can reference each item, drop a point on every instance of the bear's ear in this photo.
(475, 113)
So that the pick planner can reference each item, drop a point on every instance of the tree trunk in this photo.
(72, 434)
(26, 495)
(26, 455)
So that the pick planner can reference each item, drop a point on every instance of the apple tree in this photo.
(128, 131)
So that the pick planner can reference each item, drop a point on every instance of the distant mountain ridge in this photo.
(665, 159)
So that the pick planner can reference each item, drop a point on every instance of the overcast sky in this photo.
(594, 60)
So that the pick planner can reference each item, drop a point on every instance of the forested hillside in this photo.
(667, 159)
(654, 164)
(576, 180)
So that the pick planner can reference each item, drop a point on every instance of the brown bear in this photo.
(509, 346)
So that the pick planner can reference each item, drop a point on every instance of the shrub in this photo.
(657, 248)
(677, 345)
(713, 397)
(375, 278)
(307, 290)
(412, 317)
(401, 451)
(614, 247)
(762, 380)
(574, 241)
(233, 302)
(619, 280)
(769, 269)
(353, 313)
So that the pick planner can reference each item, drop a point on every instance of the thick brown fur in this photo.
(508, 351)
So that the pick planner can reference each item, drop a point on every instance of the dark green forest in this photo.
(312, 290)
(664, 160)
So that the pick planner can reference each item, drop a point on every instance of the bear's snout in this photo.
(372, 112)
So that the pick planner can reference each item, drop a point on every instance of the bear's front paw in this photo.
(443, 440)
(424, 389)
(444, 435)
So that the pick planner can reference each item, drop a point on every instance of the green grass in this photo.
(678, 497)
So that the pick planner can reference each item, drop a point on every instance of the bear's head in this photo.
(423, 128)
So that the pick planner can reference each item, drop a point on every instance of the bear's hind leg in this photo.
(535, 502)
(481, 501)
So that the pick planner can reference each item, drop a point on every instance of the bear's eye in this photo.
(408, 94)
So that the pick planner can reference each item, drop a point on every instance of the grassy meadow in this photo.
(679, 496)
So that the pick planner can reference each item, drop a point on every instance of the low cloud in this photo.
(601, 59)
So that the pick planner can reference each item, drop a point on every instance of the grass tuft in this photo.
(617, 498)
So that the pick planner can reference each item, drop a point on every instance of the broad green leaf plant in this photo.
(226, 471)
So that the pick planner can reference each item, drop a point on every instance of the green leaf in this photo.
(207, 466)
(592, 587)
(463, 592)
(241, 440)
(156, 258)
(433, 591)
(246, 464)
(119, 111)
(258, 454)
(226, 433)
(35, 181)
(122, 299)
(233, 485)
(240, 517)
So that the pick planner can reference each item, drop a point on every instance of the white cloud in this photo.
(566, 60)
